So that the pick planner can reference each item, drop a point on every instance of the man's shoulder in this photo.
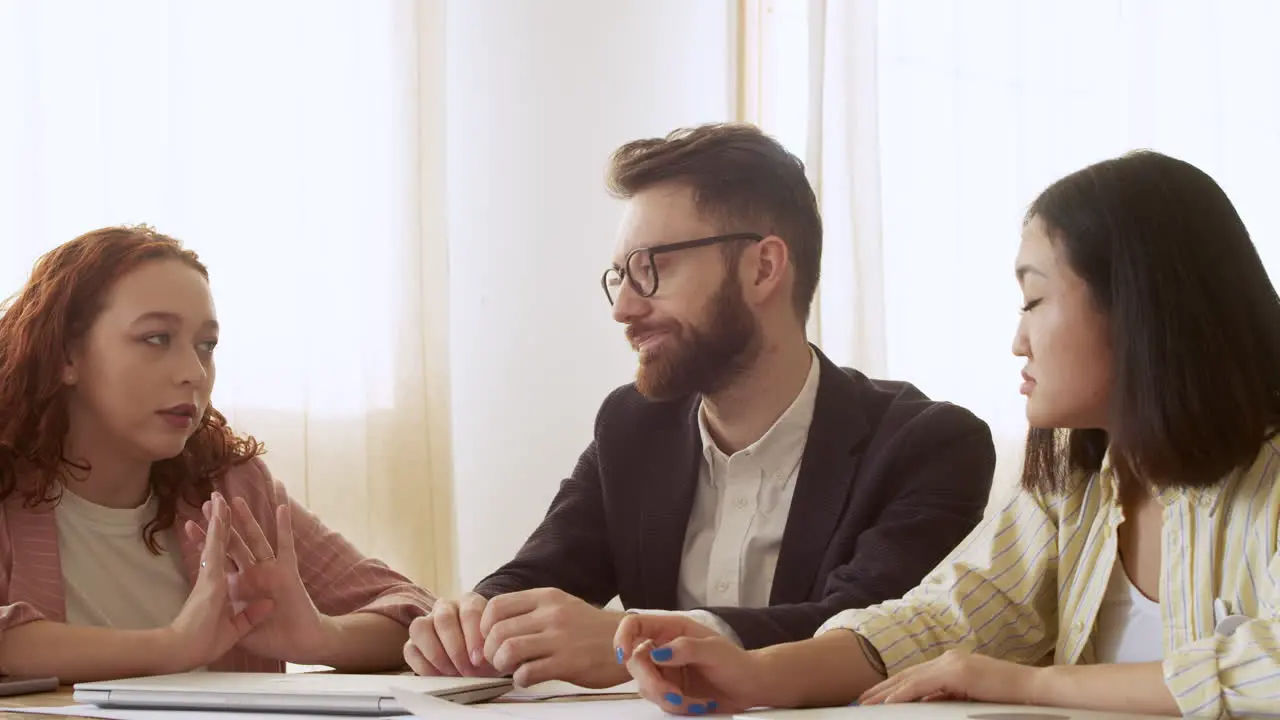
(889, 391)
(896, 425)
(897, 405)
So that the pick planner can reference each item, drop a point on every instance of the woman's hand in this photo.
(958, 675)
(208, 624)
(686, 668)
(296, 632)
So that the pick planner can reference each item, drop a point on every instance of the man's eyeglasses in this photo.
(640, 271)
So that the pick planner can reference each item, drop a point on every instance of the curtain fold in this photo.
(940, 120)
(295, 146)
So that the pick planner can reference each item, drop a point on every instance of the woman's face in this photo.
(1063, 336)
(141, 378)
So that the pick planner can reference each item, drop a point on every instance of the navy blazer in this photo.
(890, 481)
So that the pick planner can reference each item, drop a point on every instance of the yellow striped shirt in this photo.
(1030, 579)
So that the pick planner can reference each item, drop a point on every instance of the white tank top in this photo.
(1128, 626)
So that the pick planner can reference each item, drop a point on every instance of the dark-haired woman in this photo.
(138, 534)
(1136, 569)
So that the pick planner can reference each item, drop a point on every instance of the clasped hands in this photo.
(531, 635)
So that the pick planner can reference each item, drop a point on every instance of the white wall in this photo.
(538, 95)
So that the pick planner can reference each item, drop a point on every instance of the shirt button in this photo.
(723, 586)
(740, 503)
(1077, 626)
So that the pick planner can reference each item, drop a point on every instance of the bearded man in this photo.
(743, 478)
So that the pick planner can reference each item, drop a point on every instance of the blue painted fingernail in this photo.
(619, 656)
(698, 709)
(673, 698)
(661, 654)
(711, 706)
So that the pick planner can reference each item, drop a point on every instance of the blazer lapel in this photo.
(35, 574)
(668, 479)
(830, 458)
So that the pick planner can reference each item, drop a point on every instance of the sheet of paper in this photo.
(585, 710)
(92, 711)
(559, 688)
(428, 707)
(938, 711)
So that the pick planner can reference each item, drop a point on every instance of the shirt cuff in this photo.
(886, 635)
(706, 618)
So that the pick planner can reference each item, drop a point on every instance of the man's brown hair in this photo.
(742, 180)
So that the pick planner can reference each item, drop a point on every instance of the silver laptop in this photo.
(326, 693)
(937, 711)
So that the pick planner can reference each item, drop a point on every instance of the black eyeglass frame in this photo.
(660, 250)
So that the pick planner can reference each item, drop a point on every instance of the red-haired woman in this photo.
(114, 466)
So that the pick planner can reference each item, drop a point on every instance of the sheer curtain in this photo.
(930, 126)
(294, 145)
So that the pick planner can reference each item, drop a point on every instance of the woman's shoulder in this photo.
(252, 480)
(1256, 485)
(1266, 461)
(1079, 500)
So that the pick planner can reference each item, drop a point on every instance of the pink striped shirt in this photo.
(339, 578)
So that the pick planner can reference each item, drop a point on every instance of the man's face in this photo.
(696, 333)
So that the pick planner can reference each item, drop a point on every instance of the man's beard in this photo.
(703, 359)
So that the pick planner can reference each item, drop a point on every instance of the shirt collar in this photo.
(779, 442)
(1206, 497)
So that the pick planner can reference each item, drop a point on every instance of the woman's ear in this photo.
(70, 373)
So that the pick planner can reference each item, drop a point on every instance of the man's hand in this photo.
(448, 641)
(547, 634)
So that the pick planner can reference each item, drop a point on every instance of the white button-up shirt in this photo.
(740, 511)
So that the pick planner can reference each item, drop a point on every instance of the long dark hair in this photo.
(1194, 325)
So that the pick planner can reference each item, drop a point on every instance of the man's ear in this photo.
(768, 268)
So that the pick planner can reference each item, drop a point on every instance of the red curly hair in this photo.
(38, 325)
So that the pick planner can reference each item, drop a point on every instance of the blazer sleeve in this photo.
(12, 614)
(339, 578)
(942, 471)
(570, 549)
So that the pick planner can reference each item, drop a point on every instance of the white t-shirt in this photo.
(1128, 627)
(110, 577)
